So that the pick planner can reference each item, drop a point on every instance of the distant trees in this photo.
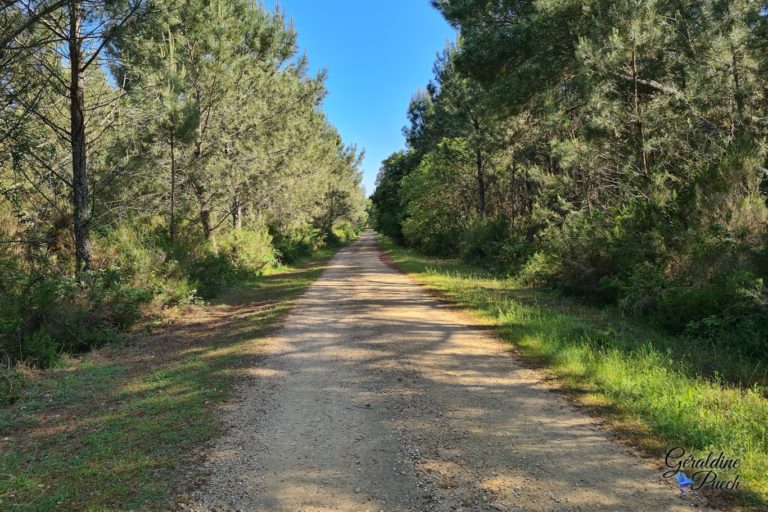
(386, 199)
(156, 150)
(620, 151)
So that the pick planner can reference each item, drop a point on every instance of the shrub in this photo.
(45, 314)
(731, 312)
(140, 252)
(239, 255)
(435, 200)
(295, 243)
(432, 236)
(137, 249)
(539, 269)
(345, 231)
(211, 273)
(638, 291)
(177, 289)
(480, 241)
(492, 242)
(250, 251)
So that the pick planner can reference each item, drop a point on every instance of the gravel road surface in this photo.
(375, 396)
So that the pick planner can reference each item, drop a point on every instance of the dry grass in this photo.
(119, 428)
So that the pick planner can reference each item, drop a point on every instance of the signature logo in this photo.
(704, 471)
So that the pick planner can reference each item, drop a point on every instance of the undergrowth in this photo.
(120, 428)
(649, 383)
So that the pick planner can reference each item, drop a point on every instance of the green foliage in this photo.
(46, 315)
(239, 256)
(652, 383)
(539, 269)
(494, 243)
(294, 244)
(345, 232)
(203, 126)
(612, 150)
(250, 250)
(433, 198)
(387, 208)
(123, 422)
(730, 313)
(212, 273)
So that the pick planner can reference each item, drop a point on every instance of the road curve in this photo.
(374, 396)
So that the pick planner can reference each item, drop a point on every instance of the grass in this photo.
(630, 374)
(121, 428)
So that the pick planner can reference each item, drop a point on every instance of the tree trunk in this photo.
(480, 170)
(638, 119)
(237, 214)
(77, 120)
(480, 182)
(205, 212)
(737, 92)
(200, 192)
(172, 227)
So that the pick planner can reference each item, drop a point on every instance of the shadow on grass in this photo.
(116, 428)
(657, 390)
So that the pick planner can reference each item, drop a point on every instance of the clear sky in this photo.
(377, 54)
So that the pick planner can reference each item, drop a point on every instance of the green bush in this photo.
(142, 253)
(39, 348)
(493, 243)
(434, 222)
(587, 252)
(239, 255)
(46, 315)
(176, 288)
(212, 273)
(138, 249)
(539, 269)
(250, 251)
(731, 312)
(480, 241)
(638, 291)
(293, 244)
(344, 232)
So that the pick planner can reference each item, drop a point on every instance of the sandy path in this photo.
(376, 397)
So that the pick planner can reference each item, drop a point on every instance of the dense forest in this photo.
(151, 153)
(615, 151)
(561, 304)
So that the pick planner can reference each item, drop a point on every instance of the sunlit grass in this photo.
(628, 373)
(104, 434)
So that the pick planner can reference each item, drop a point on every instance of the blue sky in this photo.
(377, 54)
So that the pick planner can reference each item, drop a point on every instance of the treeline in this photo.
(151, 153)
(615, 150)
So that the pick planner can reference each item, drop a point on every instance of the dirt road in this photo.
(374, 396)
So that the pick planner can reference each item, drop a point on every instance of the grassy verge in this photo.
(624, 371)
(116, 429)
